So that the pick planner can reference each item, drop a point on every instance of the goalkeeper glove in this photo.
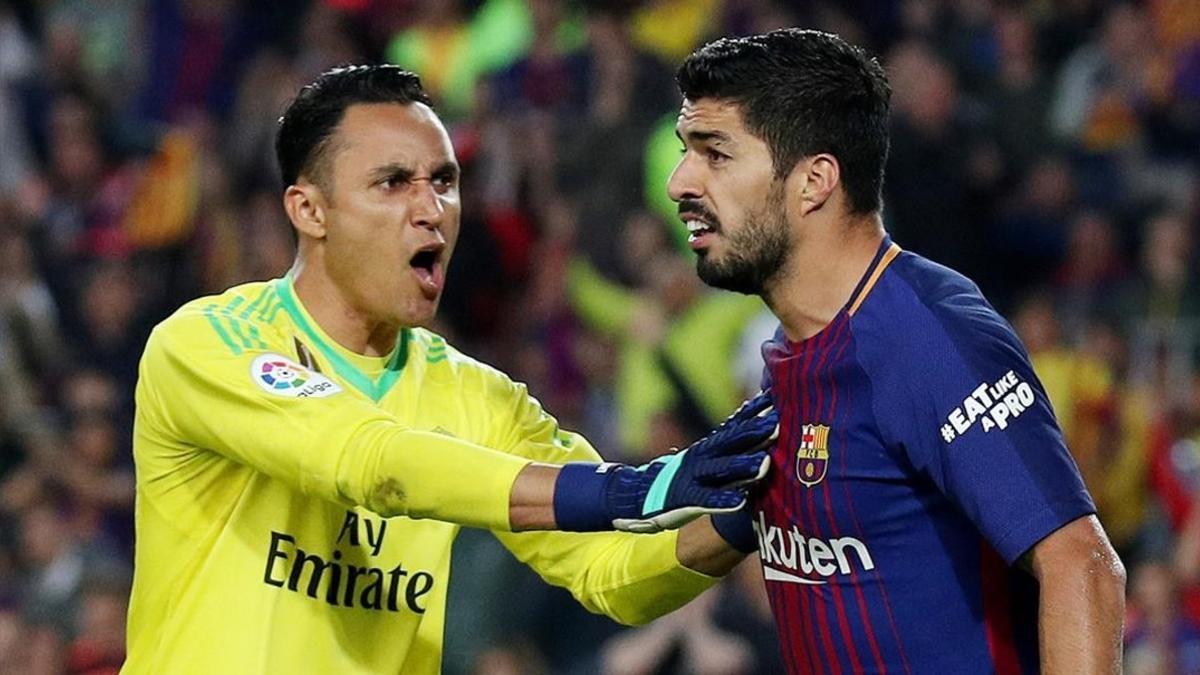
(706, 477)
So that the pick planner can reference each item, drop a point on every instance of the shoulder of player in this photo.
(240, 319)
(442, 358)
(920, 304)
(446, 366)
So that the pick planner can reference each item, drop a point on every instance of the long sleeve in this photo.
(630, 578)
(195, 397)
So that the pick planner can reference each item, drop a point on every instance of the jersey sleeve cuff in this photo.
(1041, 524)
(653, 583)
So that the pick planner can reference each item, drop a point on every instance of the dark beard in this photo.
(757, 251)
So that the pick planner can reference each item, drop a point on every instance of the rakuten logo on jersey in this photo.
(786, 552)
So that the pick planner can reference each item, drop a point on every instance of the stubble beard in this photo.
(756, 253)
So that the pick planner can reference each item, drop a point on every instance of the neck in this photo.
(338, 316)
(821, 274)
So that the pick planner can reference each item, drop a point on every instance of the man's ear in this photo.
(305, 205)
(814, 181)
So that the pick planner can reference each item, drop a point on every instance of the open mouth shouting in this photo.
(430, 269)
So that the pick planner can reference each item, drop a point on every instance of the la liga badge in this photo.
(281, 376)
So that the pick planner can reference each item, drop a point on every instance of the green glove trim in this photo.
(657, 496)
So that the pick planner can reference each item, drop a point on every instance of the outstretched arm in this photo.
(340, 447)
(706, 477)
(632, 579)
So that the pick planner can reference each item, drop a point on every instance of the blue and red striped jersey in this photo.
(918, 458)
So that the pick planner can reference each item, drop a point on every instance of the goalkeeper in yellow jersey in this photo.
(306, 451)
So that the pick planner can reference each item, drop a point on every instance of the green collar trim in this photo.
(373, 389)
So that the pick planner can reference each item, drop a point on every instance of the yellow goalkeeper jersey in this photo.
(296, 502)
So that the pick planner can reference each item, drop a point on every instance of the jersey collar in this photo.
(374, 389)
(888, 250)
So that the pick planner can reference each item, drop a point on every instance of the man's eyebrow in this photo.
(393, 170)
(447, 168)
(697, 136)
(399, 171)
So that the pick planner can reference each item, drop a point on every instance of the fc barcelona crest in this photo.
(812, 457)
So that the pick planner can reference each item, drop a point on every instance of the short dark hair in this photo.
(311, 118)
(803, 92)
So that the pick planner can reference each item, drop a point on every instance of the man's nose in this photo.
(684, 183)
(426, 207)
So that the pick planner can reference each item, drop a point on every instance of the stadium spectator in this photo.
(676, 344)
(1159, 638)
(99, 646)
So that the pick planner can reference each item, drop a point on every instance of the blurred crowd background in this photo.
(1050, 149)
